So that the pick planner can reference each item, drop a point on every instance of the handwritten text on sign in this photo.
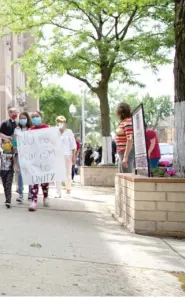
(41, 156)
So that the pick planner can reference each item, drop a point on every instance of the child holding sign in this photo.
(8, 162)
(37, 122)
(24, 125)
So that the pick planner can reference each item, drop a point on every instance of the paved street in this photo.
(76, 248)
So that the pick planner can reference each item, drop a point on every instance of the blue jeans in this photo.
(154, 163)
(20, 180)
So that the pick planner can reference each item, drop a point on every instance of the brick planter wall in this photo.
(153, 206)
(102, 176)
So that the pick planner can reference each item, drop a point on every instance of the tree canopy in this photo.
(55, 101)
(91, 40)
(156, 109)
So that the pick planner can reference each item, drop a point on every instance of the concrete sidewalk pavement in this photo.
(75, 247)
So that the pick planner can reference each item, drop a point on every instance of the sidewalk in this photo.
(75, 247)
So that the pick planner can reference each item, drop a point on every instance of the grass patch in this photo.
(181, 278)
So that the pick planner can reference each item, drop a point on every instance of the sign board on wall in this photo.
(141, 153)
(41, 156)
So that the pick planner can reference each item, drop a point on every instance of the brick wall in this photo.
(103, 176)
(153, 206)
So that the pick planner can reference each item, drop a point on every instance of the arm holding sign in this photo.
(129, 144)
(3, 136)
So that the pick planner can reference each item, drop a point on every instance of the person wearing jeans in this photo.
(68, 144)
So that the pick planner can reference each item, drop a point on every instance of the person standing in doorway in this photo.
(124, 139)
(153, 148)
(68, 143)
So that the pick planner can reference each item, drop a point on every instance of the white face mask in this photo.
(61, 125)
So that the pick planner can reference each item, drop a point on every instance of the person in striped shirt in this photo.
(124, 139)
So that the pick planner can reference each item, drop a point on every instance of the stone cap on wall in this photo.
(139, 178)
(100, 166)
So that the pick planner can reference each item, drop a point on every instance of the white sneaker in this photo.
(46, 202)
(58, 196)
(33, 206)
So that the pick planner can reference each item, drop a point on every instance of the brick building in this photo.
(12, 80)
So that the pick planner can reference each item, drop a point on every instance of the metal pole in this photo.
(83, 123)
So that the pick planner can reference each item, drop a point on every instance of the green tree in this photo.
(55, 101)
(156, 109)
(179, 73)
(93, 40)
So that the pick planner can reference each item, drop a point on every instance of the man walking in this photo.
(8, 126)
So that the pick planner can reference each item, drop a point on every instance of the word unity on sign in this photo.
(41, 156)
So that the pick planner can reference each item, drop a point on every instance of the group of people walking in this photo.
(10, 129)
(10, 157)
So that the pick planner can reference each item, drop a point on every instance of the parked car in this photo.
(166, 154)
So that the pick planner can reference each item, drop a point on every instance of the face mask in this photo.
(23, 122)
(7, 147)
(36, 121)
(61, 125)
(14, 116)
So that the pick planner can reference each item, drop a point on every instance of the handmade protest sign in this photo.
(140, 148)
(41, 156)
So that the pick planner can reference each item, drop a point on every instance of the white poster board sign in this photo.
(141, 154)
(41, 156)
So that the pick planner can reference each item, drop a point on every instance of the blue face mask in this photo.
(36, 121)
(23, 122)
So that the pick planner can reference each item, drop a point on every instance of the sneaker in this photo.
(29, 198)
(20, 199)
(33, 206)
(58, 196)
(46, 202)
(8, 205)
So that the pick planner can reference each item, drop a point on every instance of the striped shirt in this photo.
(123, 132)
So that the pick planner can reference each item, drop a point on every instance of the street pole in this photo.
(83, 123)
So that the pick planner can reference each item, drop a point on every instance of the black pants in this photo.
(73, 171)
(7, 180)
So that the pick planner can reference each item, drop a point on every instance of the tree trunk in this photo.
(105, 125)
(179, 75)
